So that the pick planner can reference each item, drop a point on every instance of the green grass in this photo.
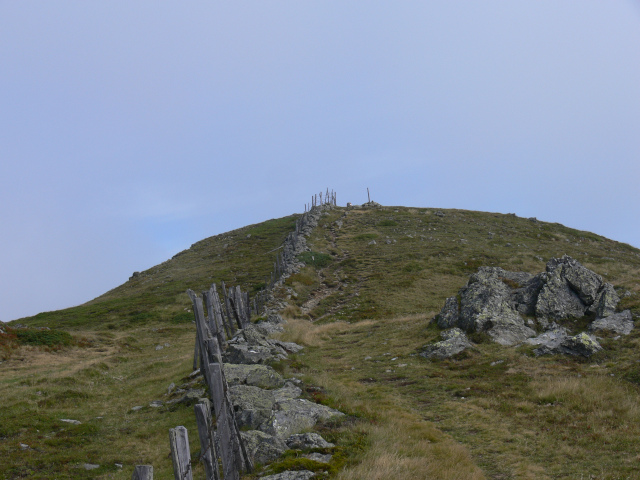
(493, 412)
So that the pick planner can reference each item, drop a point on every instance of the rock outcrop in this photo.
(495, 300)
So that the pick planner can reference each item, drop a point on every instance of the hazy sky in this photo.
(130, 130)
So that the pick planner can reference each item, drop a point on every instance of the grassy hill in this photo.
(361, 306)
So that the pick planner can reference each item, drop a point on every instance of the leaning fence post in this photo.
(207, 444)
(142, 472)
(180, 455)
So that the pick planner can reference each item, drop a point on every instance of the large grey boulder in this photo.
(581, 344)
(549, 340)
(486, 305)
(261, 376)
(448, 317)
(262, 447)
(253, 406)
(454, 341)
(557, 300)
(571, 290)
(606, 301)
(621, 323)
(242, 353)
(252, 346)
(296, 415)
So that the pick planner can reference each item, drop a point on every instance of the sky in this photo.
(131, 130)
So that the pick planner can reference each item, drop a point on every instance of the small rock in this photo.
(73, 422)
(90, 466)
(372, 242)
(137, 408)
(171, 388)
(159, 347)
(497, 362)
(118, 465)
(24, 446)
(156, 404)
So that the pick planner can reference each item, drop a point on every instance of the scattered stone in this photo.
(118, 465)
(307, 441)
(454, 341)
(73, 422)
(159, 347)
(290, 475)
(171, 388)
(621, 323)
(156, 404)
(318, 457)
(90, 466)
(372, 242)
(497, 362)
(137, 408)
(439, 213)
(195, 373)
(24, 446)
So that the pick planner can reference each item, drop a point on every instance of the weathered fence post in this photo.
(180, 455)
(209, 455)
(228, 308)
(142, 472)
(214, 317)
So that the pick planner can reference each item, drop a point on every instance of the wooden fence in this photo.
(222, 450)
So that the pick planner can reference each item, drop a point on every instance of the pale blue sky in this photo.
(130, 130)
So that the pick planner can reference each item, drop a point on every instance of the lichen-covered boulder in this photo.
(486, 305)
(582, 344)
(606, 301)
(261, 376)
(621, 323)
(262, 447)
(448, 317)
(296, 415)
(253, 406)
(556, 300)
(454, 341)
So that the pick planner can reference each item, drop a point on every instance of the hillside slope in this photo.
(374, 278)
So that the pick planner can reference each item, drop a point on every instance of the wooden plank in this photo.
(228, 309)
(217, 306)
(142, 472)
(216, 387)
(213, 319)
(209, 456)
(180, 454)
(229, 467)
